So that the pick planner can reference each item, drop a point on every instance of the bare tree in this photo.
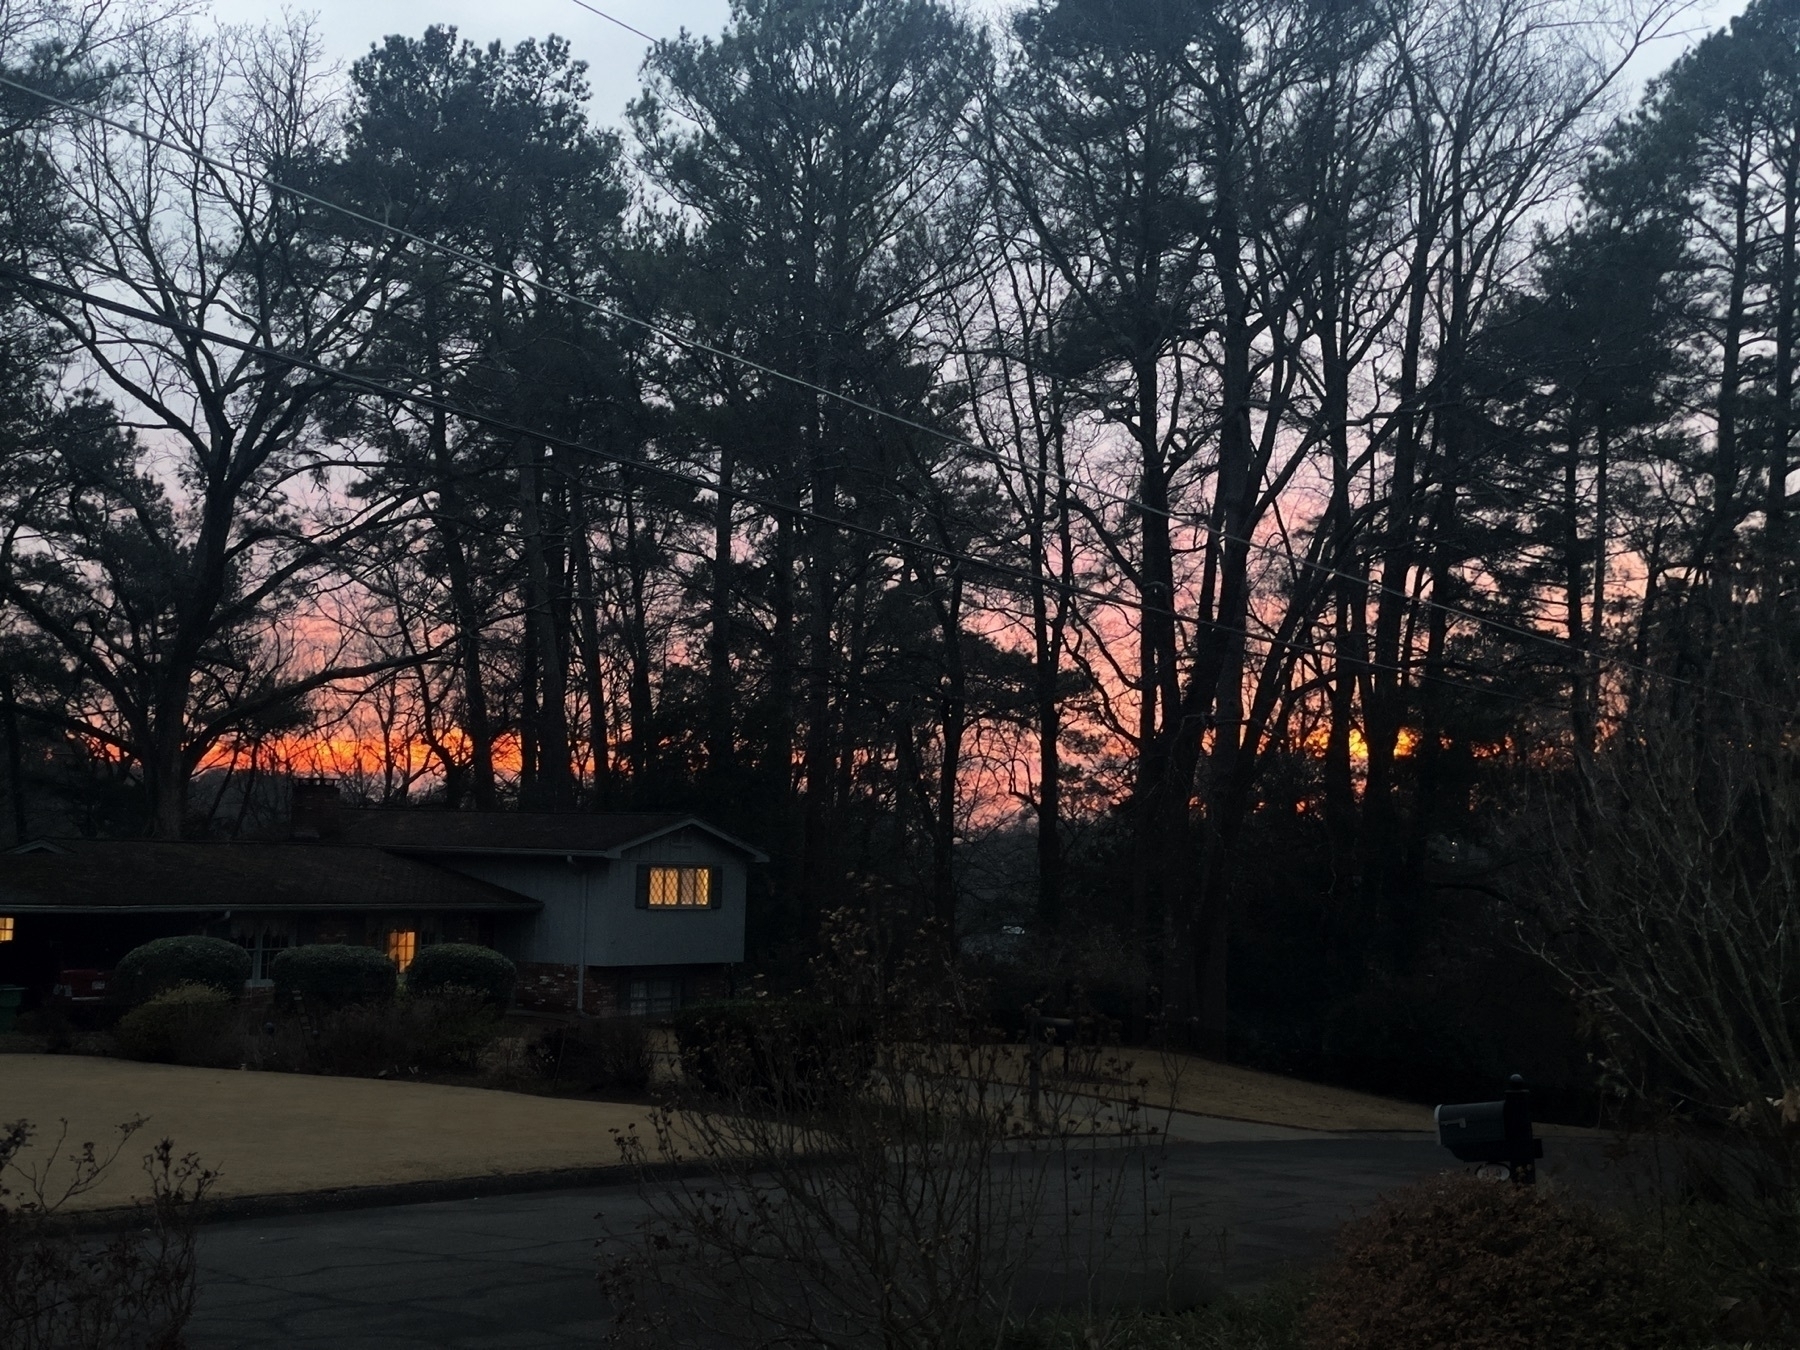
(1675, 915)
(876, 1169)
(162, 600)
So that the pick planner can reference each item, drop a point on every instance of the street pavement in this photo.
(519, 1270)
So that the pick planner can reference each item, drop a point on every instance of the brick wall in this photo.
(550, 987)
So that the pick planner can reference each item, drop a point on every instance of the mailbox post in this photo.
(1494, 1133)
(1044, 1030)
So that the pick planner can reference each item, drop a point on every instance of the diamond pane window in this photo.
(680, 888)
(402, 946)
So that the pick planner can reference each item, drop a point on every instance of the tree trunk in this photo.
(1385, 697)
(953, 706)
(554, 789)
(1721, 528)
(1221, 670)
(1575, 590)
(640, 696)
(166, 766)
(1602, 529)
(819, 764)
(15, 757)
(1156, 655)
(720, 748)
(1348, 599)
(1782, 427)
(1046, 669)
(447, 518)
(588, 613)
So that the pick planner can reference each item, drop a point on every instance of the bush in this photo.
(143, 972)
(463, 965)
(610, 1054)
(189, 1024)
(1480, 1265)
(429, 1032)
(782, 1050)
(334, 976)
(131, 1288)
(1268, 1319)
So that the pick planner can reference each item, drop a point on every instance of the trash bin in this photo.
(11, 995)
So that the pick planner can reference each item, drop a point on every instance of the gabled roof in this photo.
(121, 875)
(563, 834)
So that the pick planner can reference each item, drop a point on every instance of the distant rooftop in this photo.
(119, 875)
(419, 830)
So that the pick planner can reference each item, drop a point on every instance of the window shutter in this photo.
(643, 886)
(715, 888)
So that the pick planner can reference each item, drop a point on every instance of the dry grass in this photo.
(1209, 1088)
(283, 1133)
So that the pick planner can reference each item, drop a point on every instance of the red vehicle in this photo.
(82, 986)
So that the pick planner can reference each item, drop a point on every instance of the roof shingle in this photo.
(123, 874)
(439, 831)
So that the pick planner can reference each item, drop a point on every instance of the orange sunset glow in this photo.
(1316, 743)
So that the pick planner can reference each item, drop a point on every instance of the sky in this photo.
(349, 27)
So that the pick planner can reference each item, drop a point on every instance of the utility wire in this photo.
(381, 388)
(668, 334)
(1199, 521)
(620, 22)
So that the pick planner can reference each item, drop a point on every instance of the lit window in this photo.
(402, 946)
(6, 928)
(680, 887)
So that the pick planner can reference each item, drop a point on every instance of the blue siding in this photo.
(618, 933)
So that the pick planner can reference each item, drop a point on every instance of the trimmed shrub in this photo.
(403, 1035)
(189, 1024)
(329, 975)
(783, 1051)
(1482, 1265)
(146, 971)
(463, 965)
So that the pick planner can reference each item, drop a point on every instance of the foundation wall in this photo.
(550, 987)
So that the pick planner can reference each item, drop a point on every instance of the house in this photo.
(603, 913)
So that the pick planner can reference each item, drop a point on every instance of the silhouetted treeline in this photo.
(1143, 482)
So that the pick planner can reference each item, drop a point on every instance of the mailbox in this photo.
(1494, 1132)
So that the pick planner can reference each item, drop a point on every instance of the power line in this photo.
(372, 385)
(620, 22)
(381, 388)
(668, 334)
(1199, 521)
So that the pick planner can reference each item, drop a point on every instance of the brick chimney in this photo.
(314, 813)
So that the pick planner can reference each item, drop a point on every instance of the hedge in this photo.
(462, 965)
(406, 1035)
(1486, 1265)
(189, 1024)
(600, 1054)
(143, 972)
(332, 975)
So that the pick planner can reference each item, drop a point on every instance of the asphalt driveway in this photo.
(518, 1270)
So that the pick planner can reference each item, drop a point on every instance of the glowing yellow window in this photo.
(402, 946)
(680, 887)
(6, 928)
